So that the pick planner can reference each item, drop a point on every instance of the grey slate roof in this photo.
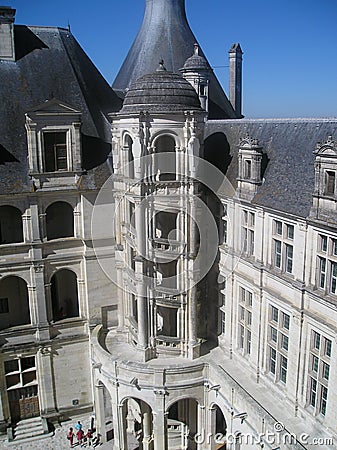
(160, 92)
(289, 145)
(50, 64)
(165, 34)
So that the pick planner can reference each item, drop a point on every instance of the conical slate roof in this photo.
(165, 34)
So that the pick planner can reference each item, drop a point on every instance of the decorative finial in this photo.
(161, 67)
(196, 49)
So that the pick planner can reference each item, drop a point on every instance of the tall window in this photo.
(248, 224)
(327, 264)
(278, 344)
(225, 225)
(223, 308)
(55, 151)
(330, 182)
(283, 237)
(245, 320)
(319, 372)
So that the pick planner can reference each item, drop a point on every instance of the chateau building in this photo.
(165, 263)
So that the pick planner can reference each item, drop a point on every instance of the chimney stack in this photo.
(7, 16)
(235, 78)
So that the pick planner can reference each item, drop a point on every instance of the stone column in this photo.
(120, 436)
(45, 374)
(160, 422)
(26, 228)
(99, 410)
(37, 302)
(147, 434)
(211, 426)
(77, 221)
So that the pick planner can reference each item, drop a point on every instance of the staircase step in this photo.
(28, 428)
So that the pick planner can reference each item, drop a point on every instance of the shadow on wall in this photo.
(26, 41)
(217, 151)
(94, 151)
(6, 156)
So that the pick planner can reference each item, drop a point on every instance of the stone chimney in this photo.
(235, 78)
(7, 49)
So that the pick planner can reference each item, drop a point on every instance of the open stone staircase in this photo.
(28, 430)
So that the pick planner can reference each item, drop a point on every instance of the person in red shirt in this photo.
(80, 436)
(89, 437)
(70, 436)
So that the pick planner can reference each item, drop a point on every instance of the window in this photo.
(4, 309)
(330, 182)
(20, 373)
(278, 344)
(248, 224)
(225, 225)
(247, 169)
(319, 372)
(245, 320)
(223, 308)
(283, 249)
(55, 151)
(326, 269)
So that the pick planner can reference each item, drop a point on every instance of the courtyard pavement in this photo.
(58, 441)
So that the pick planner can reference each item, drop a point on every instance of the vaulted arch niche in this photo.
(14, 302)
(130, 156)
(166, 167)
(11, 230)
(137, 424)
(59, 220)
(64, 295)
(182, 424)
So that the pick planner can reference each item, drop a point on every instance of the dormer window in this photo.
(249, 173)
(325, 194)
(55, 151)
(54, 144)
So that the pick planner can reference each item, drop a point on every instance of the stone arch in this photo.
(64, 295)
(128, 145)
(218, 425)
(59, 220)
(14, 302)
(11, 228)
(166, 168)
(182, 422)
(137, 420)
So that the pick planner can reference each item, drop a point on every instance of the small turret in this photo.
(196, 71)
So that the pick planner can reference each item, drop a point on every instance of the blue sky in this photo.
(290, 46)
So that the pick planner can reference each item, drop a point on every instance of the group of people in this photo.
(82, 437)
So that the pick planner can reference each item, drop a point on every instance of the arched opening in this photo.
(11, 230)
(166, 166)
(14, 303)
(59, 220)
(64, 296)
(166, 225)
(130, 156)
(182, 424)
(218, 427)
(137, 424)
